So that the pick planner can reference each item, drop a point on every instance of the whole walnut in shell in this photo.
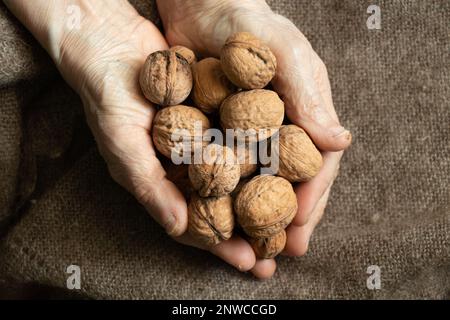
(299, 159)
(186, 53)
(166, 78)
(257, 112)
(210, 220)
(247, 62)
(218, 173)
(182, 122)
(267, 248)
(265, 206)
(211, 86)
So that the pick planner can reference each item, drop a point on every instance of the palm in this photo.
(114, 73)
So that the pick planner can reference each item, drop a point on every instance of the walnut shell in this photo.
(265, 206)
(247, 157)
(170, 121)
(218, 174)
(186, 53)
(211, 86)
(210, 220)
(260, 111)
(166, 78)
(247, 62)
(299, 159)
(268, 248)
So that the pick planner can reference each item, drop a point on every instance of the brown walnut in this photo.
(166, 78)
(258, 112)
(268, 248)
(265, 206)
(210, 220)
(186, 53)
(247, 61)
(178, 120)
(299, 159)
(218, 174)
(211, 86)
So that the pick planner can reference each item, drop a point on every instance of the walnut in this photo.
(247, 62)
(178, 121)
(210, 220)
(265, 206)
(186, 53)
(218, 174)
(166, 78)
(211, 86)
(267, 248)
(299, 159)
(259, 113)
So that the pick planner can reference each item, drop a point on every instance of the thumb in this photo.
(133, 164)
(164, 202)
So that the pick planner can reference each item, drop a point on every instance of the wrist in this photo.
(68, 29)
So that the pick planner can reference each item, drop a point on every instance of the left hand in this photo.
(301, 80)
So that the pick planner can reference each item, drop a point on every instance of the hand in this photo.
(301, 81)
(101, 60)
(106, 71)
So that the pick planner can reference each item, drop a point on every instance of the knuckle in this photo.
(145, 195)
(310, 101)
(321, 68)
(297, 54)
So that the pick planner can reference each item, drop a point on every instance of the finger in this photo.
(165, 203)
(155, 40)
(297, 238)
(323, 83)
(309, 193)
(264, 268)
(133, 164)
(296, 82)
(235, 251)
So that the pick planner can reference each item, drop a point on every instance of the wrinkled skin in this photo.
(101, 60)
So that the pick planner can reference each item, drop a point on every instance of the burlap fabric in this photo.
(389, 206)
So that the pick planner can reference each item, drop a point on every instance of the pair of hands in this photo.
(102, 59)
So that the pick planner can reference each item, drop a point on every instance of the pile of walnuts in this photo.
(225, 193)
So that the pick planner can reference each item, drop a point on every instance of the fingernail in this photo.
(338, 131)
(349, 136)
(171, 224)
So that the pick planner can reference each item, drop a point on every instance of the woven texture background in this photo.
(390, 205)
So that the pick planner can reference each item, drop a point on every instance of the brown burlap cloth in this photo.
(389, 206)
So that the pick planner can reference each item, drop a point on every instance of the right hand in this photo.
(101, 60)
